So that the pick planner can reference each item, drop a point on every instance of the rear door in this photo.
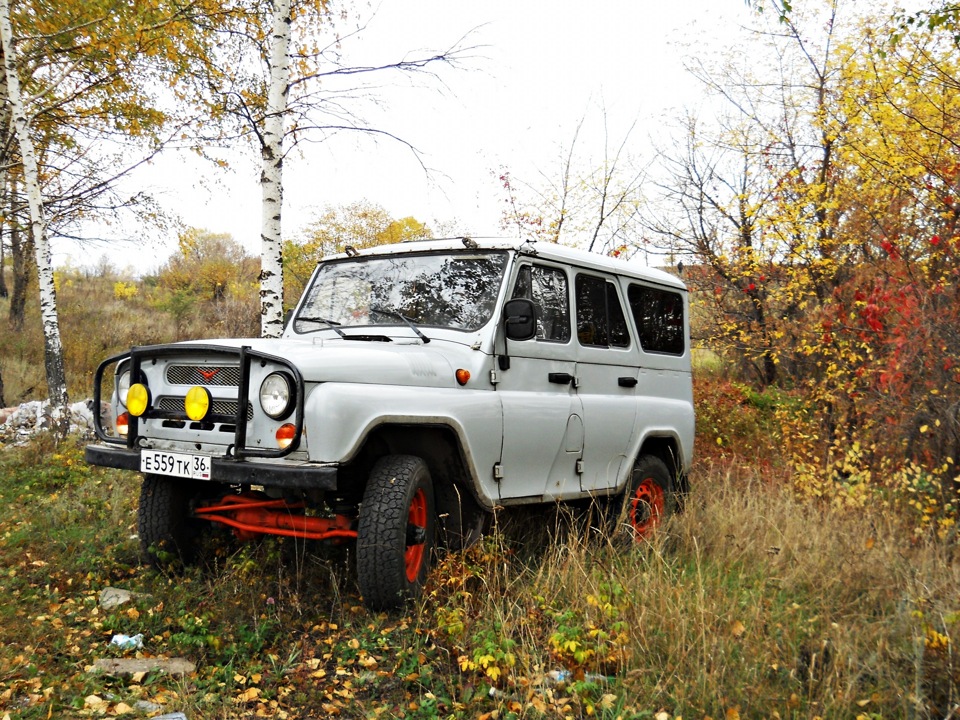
(607, 378)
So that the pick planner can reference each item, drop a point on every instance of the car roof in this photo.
(531, 248)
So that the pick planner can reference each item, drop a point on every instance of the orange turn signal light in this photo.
(285, 435)
(463, 376)
(123, 424)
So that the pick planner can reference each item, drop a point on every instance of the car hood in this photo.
(394, 363)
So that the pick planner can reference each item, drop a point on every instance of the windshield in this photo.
(456, 291)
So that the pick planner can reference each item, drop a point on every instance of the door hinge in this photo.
(579, 467)
(494, 377)
(497, 472)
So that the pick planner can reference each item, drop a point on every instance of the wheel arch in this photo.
(439, 445)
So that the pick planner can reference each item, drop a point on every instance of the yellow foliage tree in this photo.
(821, 223)
(208, 265)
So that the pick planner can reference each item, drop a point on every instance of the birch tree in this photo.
(271, 180)
(53, 348)
(304, 90)
(81, 84)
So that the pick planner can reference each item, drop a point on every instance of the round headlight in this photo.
(123, 386)
(276, 396)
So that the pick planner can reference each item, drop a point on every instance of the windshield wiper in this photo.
(332, 324)
(408, 321)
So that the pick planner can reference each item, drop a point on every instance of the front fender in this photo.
(338, 417)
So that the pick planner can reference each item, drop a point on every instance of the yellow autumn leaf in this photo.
(248, 695)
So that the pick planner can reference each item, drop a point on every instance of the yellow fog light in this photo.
(197, 402)
(138, 399)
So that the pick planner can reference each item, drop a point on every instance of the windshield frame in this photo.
(468, 303)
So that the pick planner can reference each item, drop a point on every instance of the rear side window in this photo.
(659, 317)
(600, 318)
(547, 288)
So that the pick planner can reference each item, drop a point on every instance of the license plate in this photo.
(182, 465)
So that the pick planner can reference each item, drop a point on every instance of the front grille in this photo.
(221, 375)
(218, 407)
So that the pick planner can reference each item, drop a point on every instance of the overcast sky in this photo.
(542, 65)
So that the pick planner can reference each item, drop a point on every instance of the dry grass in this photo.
(95, 323)
(750, 602)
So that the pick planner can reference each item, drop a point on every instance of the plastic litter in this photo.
(128, 642)
(171, 716)
(565, 676)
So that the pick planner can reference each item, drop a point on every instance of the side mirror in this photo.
(520, 318)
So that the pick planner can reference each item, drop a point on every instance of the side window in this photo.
(600, 318)
(547, 287)
(659, 317)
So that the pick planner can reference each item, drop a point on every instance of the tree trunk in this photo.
(271, 177)
(3, 267)
(20, 250)
(53, 348)
(4, 165)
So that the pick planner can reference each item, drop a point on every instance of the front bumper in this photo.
(301, 476)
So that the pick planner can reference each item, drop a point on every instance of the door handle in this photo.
(627, 382)
(560, 378)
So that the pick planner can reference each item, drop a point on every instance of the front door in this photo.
(542, 420)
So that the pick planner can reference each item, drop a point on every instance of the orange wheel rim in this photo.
(646, 507)
(416, 518)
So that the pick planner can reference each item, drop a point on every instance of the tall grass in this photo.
(750, 602)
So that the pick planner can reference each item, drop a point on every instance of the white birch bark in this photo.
(53, 348)
(271, 175)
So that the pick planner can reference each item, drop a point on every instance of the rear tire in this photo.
(462, 521)
(649, 499)
(168, 535)
(396, 531)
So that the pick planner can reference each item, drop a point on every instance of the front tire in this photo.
(168, 535)
(396, 531)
